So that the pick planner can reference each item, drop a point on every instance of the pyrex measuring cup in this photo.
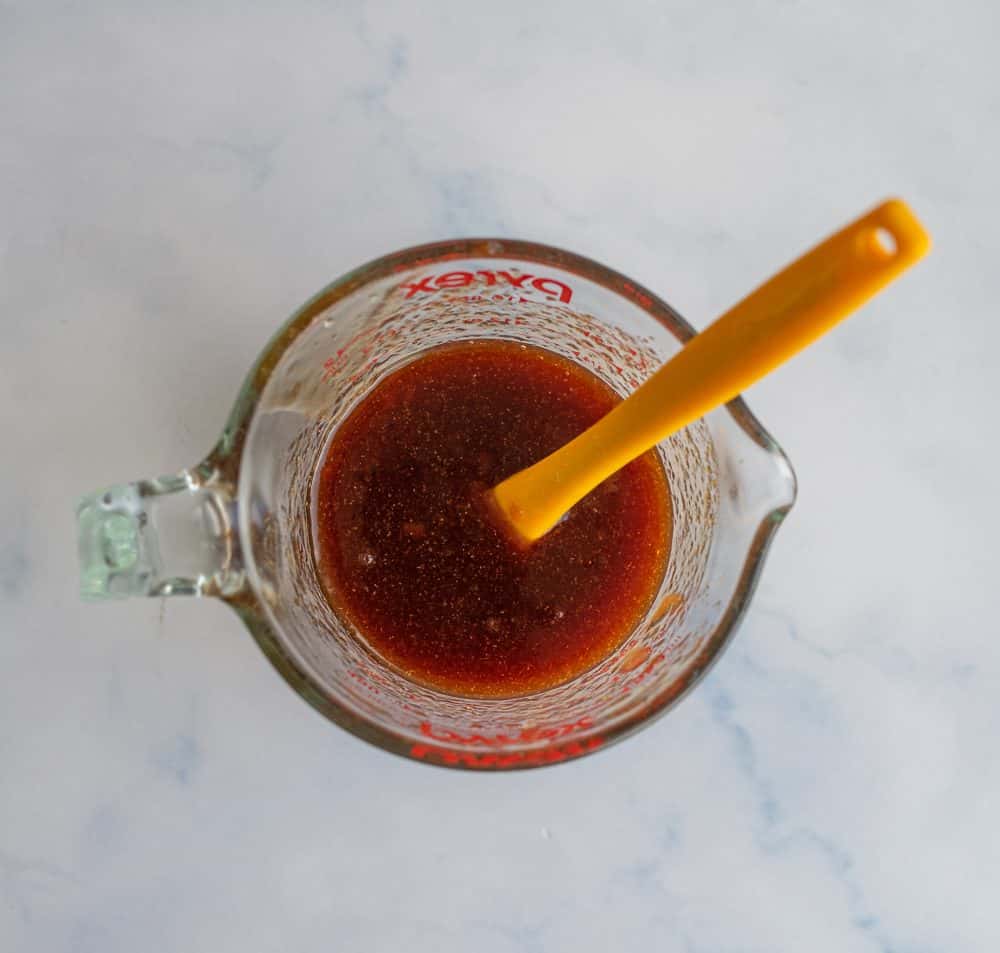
(238, 525)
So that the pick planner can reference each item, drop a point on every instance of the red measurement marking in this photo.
(552, 288)
(496, 759)
(525, 736)
(636, 295)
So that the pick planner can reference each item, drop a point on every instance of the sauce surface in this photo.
(410, 557)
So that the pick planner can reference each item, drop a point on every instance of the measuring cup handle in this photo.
(174, 535)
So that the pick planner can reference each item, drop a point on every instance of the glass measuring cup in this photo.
(238, 525)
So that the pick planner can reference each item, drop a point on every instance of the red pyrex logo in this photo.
(550, 287)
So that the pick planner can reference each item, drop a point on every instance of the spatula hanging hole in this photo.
(884, 242)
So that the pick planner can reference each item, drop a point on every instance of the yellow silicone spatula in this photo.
(765, 329)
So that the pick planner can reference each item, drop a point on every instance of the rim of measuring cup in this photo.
(226, 458)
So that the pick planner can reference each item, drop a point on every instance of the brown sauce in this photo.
(411, 558)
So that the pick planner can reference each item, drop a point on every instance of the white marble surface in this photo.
(175, 178)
